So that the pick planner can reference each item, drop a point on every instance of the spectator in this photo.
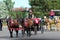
(0, 25)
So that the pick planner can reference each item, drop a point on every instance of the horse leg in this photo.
(40, 27)
(11, 32)
(50, 27)
(35, 30)
(23, 31)
(16, 33)
(37, 27)
(29, 32)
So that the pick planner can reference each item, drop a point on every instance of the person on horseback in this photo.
(28, 23)
(30, 15)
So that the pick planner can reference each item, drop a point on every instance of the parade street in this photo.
(48, 35)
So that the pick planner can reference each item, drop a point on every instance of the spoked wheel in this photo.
(35, 30)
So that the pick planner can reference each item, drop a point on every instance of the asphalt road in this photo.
(48, 35)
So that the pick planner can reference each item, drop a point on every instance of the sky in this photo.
(21, 3)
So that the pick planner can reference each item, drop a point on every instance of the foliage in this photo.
(3, 10)
(9, 4)
(15, 14)
(20, 14)
(42, 7)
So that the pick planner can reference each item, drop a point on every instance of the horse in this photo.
(36, 22)
(58, 24)
(49, 22)
(27, 25)
(13, 25)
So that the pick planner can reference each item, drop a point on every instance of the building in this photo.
(18, 9)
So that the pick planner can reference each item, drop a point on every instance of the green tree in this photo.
(42, 7)
(3, 11)
(9, 4)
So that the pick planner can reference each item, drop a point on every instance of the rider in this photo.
(30, 15)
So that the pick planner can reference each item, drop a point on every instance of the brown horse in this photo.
(27, 25)
(49, 23)
(13, 25)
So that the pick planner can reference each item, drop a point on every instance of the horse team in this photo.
(27, 24)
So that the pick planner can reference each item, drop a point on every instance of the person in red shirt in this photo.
(52, 13)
